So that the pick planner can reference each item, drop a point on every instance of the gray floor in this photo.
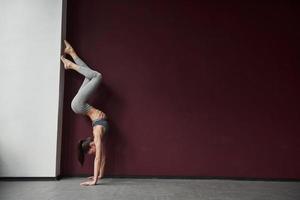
(154, 189)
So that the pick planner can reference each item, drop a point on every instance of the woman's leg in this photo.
(71, 51)
(92, 80)
(93, 77)
(78, 61)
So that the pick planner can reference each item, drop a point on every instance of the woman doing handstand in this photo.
(94, 144)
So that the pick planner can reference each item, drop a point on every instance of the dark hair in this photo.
(82, 148)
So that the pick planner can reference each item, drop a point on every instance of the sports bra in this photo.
(102, 122)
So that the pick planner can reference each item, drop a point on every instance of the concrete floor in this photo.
(149, 189)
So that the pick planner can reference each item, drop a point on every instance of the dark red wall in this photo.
(192, 89)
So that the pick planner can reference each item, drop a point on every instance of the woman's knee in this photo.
(98, 75)
(75, 105)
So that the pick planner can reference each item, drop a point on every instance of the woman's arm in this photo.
(97, 161)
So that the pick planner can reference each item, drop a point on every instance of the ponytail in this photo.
(83, 147)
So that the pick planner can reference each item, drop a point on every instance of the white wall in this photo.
(31, 87)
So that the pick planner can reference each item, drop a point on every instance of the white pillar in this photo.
(31, 87)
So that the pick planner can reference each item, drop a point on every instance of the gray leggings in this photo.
(92, 80)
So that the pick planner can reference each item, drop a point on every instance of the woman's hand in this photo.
(92, 177)
(88, 183)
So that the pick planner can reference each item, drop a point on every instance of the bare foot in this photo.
(68, 49)
(67, 63)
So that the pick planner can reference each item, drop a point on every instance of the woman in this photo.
(94, 144)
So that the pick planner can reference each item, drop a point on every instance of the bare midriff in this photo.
(94, 114)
